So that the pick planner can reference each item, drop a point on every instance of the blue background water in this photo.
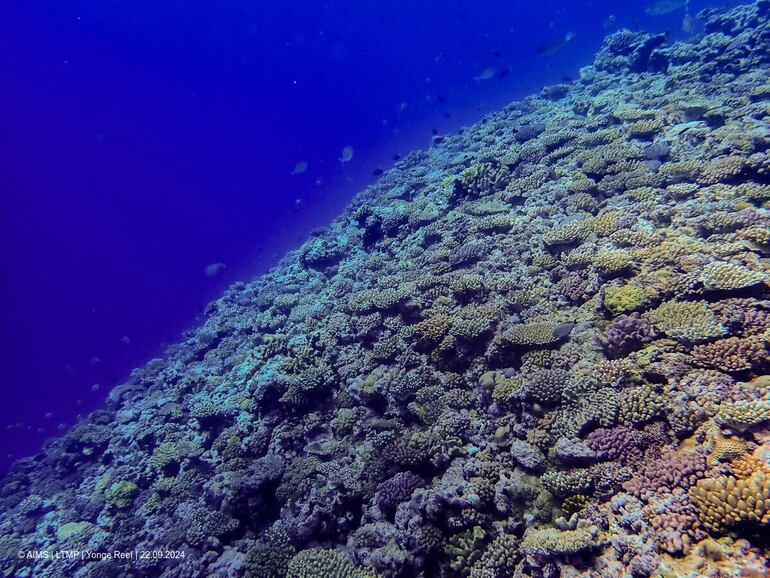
(141, 141)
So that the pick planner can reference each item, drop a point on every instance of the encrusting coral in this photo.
(539, 348)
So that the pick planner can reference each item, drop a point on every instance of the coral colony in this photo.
(540, 348)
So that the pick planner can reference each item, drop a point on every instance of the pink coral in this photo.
(619, 444)
(666, 474)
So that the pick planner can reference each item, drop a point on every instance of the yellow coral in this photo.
(624, 298)
(644, 128)
(681, 171)
(552, 541)
(742, 415)
(726, 501)
(758, 236)
(434, 328)
(724, 276)
(690, 320)
(725, 449)
(568, 232)
(533, 333)
(723, 169)
(606, 223)
(613, 262)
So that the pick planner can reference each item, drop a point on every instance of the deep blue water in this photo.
(142, 141)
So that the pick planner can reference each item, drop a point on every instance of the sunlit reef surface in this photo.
(539, 348)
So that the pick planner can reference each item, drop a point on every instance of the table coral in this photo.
(690, 320)
(726, 276)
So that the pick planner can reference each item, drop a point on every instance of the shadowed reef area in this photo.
(540, 348)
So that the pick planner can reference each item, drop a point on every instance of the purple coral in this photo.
(669, 472)
(397, 489)
(624, 334)
(620, 444)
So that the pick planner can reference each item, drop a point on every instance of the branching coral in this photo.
(726, 276)
(742, 497)
(689, 320)
(318, 563)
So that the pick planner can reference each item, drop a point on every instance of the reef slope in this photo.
(539, 348)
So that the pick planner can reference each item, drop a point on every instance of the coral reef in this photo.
(539, 348)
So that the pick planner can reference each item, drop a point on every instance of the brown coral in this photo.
(726, 501)
(725, 276)
(690, 320)
(733, 354)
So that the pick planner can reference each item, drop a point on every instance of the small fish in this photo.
(434, 131)
(396, 157)
(504, 72)
(95, 360)
(347, 154)
(95, 387)
(688, 24)
(125, 340)
(378, 171)
(299, 168)
(609, 22)
(213, 269)
(549, 48)
(440, 98)
(563, 330)
(663, 7)
(447, 115)
(486, 74)
(497, 54)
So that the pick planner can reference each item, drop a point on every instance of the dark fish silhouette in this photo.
(563, 330)
(378, 171)
(504, 72)
(549, 48)
(663, 7)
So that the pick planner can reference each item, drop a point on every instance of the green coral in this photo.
(551, 541)
(342, 423)
(464, 549)
(324, 563)
(689, 320)
(566, 233)
(639, 405)
(533, 334)
(70, 529)
(742, 415)
(624, 298)
(269, 557)
(505, 388)
(121, 494)
(482, 179)
(498, 559)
